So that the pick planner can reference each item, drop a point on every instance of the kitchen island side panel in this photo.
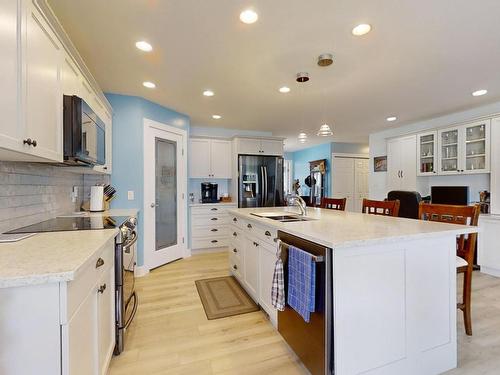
(395, 307)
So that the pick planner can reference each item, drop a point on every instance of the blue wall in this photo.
(128, 161)
(301, 161)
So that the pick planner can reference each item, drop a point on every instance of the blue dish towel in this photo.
(301, 282)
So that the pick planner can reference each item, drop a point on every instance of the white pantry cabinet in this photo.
(209, 158)
(401, 163)
(259, 146)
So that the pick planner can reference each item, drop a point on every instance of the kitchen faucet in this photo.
(296, 200)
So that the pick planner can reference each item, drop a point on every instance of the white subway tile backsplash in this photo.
(33, 192)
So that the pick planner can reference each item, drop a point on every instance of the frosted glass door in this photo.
(166, 193)
(475, 147)
(449, 150)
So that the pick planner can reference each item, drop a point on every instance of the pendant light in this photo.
(325, 60)
(325, 131)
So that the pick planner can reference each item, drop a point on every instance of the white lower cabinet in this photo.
(252, 258)
(488, 252)
(209, 225)
(63, 328)
(251, 267)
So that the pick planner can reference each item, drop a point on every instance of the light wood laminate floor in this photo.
(171, 335)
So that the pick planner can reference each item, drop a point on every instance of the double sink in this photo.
(282, 217)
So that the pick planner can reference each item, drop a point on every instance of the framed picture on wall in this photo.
(380, 164)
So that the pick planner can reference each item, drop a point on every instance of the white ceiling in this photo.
(423, 58)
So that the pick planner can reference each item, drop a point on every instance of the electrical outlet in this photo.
(74, 194)
(130, 195)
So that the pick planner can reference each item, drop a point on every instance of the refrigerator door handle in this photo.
(265, 195)
(263, 188)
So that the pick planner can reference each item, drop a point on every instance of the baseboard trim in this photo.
(141, 271)
(209, 250)
(490, 271)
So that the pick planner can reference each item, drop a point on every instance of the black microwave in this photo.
(84, 133)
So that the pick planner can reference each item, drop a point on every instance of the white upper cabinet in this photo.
(464, 149)
(401, 163)
(36, 70)
(256, 146)
(43, 97)
(427, 153)
(10, 132)
(209, 158)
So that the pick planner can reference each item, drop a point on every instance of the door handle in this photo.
(214, 230)
(402, 176)
(214, 241)
(153, 205)
(214, 219)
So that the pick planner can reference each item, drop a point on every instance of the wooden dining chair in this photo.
(466, 246)
(334, 203)
(385, 208)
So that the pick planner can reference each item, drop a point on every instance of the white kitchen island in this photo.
(394, 285)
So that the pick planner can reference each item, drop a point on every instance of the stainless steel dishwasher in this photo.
(313, 341)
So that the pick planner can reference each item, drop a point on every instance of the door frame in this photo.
(151, 126)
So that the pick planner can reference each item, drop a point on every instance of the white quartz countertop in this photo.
(213, 204)
(54, 256)
(345, 229)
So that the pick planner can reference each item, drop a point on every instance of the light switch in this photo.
(130, 195)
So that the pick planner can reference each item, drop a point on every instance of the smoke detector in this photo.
(302, 77)
(325, 59)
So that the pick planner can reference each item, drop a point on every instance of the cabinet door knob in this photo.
(99, 263)
(235, 267)
(235, 234)
(235, 250)
(33, 143)
(102, 288)
(267, 233)
(255, 244)
(249, 226)
(235, 219)
(27, 142)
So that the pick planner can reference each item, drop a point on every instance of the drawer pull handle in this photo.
(102, 288)
(213, 209)
(249, 226)
(235, 234)
(214, 219)
(213, 230)
(235, 267)
(214, 241)
(255, 244)
(99, 263)
(235, 219)
(268, 234)
(235, 251)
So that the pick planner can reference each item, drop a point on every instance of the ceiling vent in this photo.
(325, 59)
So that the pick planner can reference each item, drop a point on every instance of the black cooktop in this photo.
(63, 224)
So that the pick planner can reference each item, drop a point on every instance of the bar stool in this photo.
(466, 246)
(385, 208)
(334, 203)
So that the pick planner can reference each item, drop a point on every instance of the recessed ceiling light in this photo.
(216, 117)
(149, 85)
(480, 92)
(362, 29)
(144, 46)
(284, 89)
(391, 119)
(208, 93)
(249, 16)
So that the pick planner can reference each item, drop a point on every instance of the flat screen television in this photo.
(458, 195)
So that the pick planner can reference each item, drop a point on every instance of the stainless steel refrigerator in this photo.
(260, 181)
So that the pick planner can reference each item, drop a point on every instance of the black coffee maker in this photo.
(208, 192)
